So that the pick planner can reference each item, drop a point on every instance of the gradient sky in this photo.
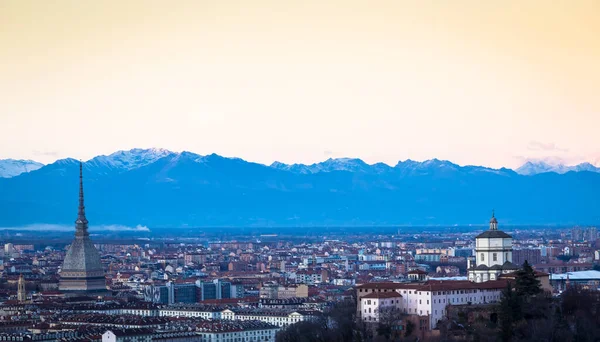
(476, 82)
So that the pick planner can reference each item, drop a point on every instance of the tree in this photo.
(389, 321)
(410, 327)
(509, 312)
(581, 307)
(526, 284)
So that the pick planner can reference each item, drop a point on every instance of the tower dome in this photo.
(493, 222)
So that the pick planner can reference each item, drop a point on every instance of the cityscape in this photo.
(259, 287)
(299, 171)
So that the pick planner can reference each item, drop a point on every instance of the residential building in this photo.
(377, 304)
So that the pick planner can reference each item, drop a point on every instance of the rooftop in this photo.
(378, 295)
(579, 275)
(493, 234)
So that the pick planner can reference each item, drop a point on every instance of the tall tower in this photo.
(21, 292)
(82, 270)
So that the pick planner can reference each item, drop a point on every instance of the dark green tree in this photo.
(509, 312)
(526, 284)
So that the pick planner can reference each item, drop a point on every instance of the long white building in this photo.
(280, 318)
(427, 300)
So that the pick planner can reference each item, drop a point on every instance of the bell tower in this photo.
(21, 292)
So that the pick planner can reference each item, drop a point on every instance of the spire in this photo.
(81, 225)
(493, 221)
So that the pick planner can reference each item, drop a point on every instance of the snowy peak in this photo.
(585, 167)
(330, 165)
(129, 160)
(343, 164)
(11, 167)
(536, 167)
(403, 167)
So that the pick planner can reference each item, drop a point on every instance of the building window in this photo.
(482, 257)
(495, 256)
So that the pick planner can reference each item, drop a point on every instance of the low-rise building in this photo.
(127, 335)
(280, 318)
(429, 300)
(376, 304)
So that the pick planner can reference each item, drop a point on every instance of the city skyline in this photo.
(470, 82)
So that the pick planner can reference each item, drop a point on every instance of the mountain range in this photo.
(11, 167)
(537, 167)
(160, 188)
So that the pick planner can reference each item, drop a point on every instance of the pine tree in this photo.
(510, 312)
(526, 284)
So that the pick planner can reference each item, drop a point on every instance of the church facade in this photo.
(82, 271)
(493, 255)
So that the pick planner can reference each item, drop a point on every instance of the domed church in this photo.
(493, 254)
(82, 271)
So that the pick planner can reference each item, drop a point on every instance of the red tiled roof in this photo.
(437, 285)
(392, 294)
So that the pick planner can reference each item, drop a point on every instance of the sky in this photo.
(491, 83)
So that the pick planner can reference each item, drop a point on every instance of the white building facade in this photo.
(427, 300)
(280, 318)
(376, 304)
(493, 255)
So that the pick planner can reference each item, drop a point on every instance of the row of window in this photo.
(494, 256)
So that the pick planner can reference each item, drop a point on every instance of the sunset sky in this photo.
(476, 82)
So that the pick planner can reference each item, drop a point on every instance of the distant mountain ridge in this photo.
(160, 188)
(537, 167)
(12, 167)
(128, 160)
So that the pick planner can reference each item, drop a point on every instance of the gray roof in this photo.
(577, 275)
(493, 234)
(509, 266)
(82, 256)
(481, 267)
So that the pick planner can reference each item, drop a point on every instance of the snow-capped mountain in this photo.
(128, 160)
(536, 167)
(331, 164)
(166, 189)
(11, 167)
(585, 167)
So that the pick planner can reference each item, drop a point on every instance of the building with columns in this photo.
(493, 255)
